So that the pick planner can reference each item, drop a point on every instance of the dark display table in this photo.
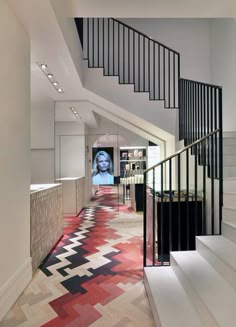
(181, 236)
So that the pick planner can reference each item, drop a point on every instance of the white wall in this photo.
(42, 141)
(70, 149)
(189, 37)
(223, 66)
(15, 263)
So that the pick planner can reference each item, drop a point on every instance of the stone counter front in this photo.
(46, 221)
(73, 194)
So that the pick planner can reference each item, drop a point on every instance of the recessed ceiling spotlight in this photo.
(43, 66)
(50, 77)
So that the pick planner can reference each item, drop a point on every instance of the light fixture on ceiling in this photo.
(50, 77)
(77, 116)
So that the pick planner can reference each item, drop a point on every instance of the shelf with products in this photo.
(132, 162)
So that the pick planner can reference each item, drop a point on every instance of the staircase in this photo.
(199, 287)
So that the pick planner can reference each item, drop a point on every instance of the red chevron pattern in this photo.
(97, 267)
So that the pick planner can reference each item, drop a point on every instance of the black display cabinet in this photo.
(189, 226)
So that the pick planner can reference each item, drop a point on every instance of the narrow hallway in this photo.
(94, 275)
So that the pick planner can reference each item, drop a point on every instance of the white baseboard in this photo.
(12, 289)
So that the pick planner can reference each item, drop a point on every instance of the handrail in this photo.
(201, 83)
(182, 150)
(144, 35)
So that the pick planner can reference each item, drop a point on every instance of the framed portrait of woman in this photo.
(102, 166)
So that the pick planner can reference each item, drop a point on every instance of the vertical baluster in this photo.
(179, 216)
(162, 217)
(145, 220)
(138, 62)
(129, 56)
(212, 188)
(154, 70)
(196, 191)
(169, 105)
(113, 30)
(108, 45)
(98, 42)
(191, 113)
(103, 43)
(174, 56)
(185, 109)
(215, 136)
(201, 121)
(153, 219)
(164, 77)
(123, 54)
(198, 111)
(178, 68)
(134, 59)
(144, 63)
(118, 27)
(208, 127)
(159, 72)
(220, 157)
(170, 206)
(204, 189)
(181, 115)
(187, 196)
(149, 70)
(93, 41)
(87, 20)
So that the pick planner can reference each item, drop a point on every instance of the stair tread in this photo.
(229, 193)
(229, 223)
(171, 301)
(216, 293)
(222, 248)
(229, 208)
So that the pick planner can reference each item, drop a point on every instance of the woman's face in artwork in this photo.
(103, 163)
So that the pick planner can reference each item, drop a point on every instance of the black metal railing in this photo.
(136, 58)
(200, 113)
(180, 201)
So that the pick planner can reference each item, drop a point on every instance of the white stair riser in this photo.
(151, 301)
(229, 214)
(229, 141)
(229, 159)
(229, 135)
(229, 185)
(222, 268)
(229, 171)
(229, 200)
(229, 149)
(229, 232)
(197, 302)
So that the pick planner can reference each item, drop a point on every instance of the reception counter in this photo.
(73, 194)
(46, 220)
